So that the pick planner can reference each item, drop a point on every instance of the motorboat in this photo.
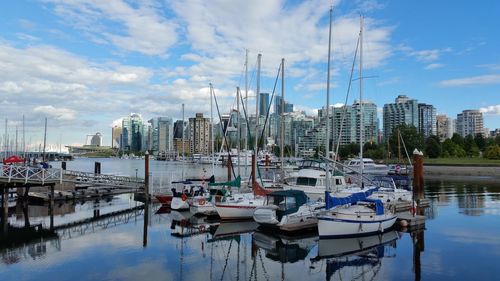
(289, 210)
(368, 166)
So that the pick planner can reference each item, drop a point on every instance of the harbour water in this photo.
(461, 239)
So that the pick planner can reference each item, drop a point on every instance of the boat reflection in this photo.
(354, 258)
(228, 229)
(285, 249)
(184, 224)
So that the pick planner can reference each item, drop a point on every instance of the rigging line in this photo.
(261, 138)
(222, 126)
(247, 125)
(345, 103)
(263, 268)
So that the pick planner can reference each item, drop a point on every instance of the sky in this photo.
(85, 64)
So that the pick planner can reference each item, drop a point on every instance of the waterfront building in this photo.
(161, 134)
(470, 122)
(444, 127)
(133, 133)
(96, 140)
(403, 111)
(116, 132)
(427, 120)
(199, 134)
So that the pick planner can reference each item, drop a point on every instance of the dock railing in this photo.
(30, 174)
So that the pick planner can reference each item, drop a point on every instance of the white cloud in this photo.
(434, 66)
(146, 31)
(472, 81)
(63, 114)
(491, 110)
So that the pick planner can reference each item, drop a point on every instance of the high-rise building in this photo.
(199, 134)
(161, 134)
(116, 132)
(470, 122)
(444, 127)
(403, 111)
(288, 107)
(263, 104)
(133, 133)
(427, 120)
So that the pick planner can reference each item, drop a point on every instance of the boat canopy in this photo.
(288, 201)
(210, 179)
(234, 183)
(13, 159)
(379, 206)
(332, 201)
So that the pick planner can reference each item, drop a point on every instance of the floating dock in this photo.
(411, 221)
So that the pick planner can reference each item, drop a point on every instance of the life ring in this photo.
(202, 201)
(184, 197)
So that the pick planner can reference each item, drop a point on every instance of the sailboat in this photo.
(355, 215)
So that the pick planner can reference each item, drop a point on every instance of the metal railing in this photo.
(18, 173)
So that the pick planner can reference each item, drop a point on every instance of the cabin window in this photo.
(306, 181)
(291, 203)
(338, 182)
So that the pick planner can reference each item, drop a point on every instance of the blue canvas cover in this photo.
(379, 206)
(332, 201)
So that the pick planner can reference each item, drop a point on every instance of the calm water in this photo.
(461, 240)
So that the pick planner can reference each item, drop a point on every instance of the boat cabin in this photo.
(287, 201)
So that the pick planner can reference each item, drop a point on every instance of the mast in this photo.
(259, 57)
(24, 142)
(212, 129)
(361, 99)
(327, 137)
(282, 129)
(246, 106)
(5, 141)
(183, 142)
(44, 140)
(16, 142)
(238, 126)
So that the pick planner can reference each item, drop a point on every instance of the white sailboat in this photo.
(355, 215)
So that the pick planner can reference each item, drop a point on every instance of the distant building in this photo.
(133, 133)
(199, 134)
(444, 127)
(403, 111)
(427, 120)
(96, 140)
(263, 104)
(470, 122)
(116, 132)
(162, 134)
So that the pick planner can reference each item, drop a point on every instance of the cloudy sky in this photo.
(84, 64)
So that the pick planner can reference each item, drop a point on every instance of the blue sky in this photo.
(84, 64)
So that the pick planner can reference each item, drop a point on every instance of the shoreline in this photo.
(489, 172)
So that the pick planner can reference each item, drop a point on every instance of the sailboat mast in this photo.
(5, 142)
(282, 127)
(238, 126)
(246, 106)
(259, 57)
(327, 115)
(212, 129)
(44, 140)
(24, 141)
(361, 131)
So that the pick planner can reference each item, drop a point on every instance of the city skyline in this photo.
(84, 64)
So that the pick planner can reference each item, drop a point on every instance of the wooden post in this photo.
(51, 207)
(63, 165)
(229, 168)
(5, 209)
(97, 168)
(418, 171)
(146, 175)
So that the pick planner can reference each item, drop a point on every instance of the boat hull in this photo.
(164, 199)
(235, 211)
(330, 227)
(178, 203)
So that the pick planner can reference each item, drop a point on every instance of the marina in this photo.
(139, 240)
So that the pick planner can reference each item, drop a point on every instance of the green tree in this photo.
(457, 139)
(480, 141)
(433, 147)
(411, 137)
(492, 152)
(470, 146)
(451, 149)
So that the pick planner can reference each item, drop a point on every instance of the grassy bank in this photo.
(462, 161)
